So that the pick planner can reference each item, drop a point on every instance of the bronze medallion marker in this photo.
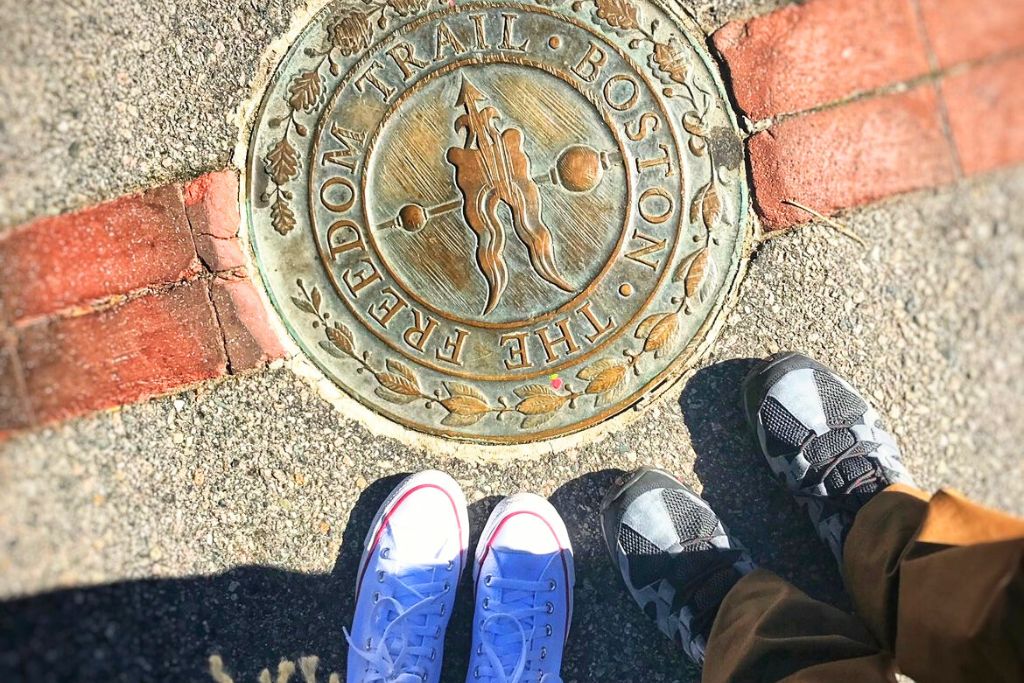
(497, 221)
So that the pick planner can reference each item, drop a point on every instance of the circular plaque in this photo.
(497, 221)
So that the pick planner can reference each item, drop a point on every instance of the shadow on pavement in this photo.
(254, 616)
(166, 629)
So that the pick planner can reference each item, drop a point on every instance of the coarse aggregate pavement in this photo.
(101, 98)
(229, 519)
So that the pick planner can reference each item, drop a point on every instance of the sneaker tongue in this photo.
(516, 564)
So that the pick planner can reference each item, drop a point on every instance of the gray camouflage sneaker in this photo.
(822, 439)
(674, 553)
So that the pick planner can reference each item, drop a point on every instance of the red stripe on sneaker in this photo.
(372, 548)
(565, 564)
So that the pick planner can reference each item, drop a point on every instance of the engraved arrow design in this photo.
(492, 168)
(578, 169)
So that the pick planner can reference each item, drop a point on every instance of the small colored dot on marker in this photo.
(556, 382)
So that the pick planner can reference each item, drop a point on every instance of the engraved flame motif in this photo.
(491, 169)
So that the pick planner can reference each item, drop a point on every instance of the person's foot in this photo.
(524, 580)
(412, 560)
(822, 439)
(674, 553)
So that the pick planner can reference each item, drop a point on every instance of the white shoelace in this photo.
(411, 633)
(509, 637)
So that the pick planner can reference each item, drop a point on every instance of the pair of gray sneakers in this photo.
(820, 437)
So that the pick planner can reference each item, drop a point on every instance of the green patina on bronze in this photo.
(497, 221)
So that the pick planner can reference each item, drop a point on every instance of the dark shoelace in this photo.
(704, 590)
(847, 499)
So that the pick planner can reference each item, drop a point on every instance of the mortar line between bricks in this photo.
(220, 327)
(116, 300)
(936, 76)
(940, 98)
(884, 91)
(11, 342)
(208, 285)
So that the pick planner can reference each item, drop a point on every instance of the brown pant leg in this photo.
(768, 630)
(940, 581)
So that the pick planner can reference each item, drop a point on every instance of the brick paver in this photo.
(248, 336)
(122, 354)
(804, 56)
(966, 30)
(986, 114)
(107, 250)
(211, 204)
(848, 156)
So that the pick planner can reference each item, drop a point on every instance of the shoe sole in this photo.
(433, 478)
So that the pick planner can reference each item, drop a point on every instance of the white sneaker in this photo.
(412, 560)
(524, 578)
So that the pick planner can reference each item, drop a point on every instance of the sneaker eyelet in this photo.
(543, 653)
(433, 654)
(380, 576)
(369, 643)
(385, 553)
(476, 672)
(488, 580)
(443, 609)
(447, 586)
(550, 606)
(548, 630)
(486, 603)
(552, 585)
(376, 597)
(451, 565)
(479, 649)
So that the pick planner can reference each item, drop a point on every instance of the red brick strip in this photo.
(804, 56)
(134, 298)
(249, 339)
(819, 78)
(147, 346)
(986, 114)
(104, 251)
(846, 157)
(969, 30)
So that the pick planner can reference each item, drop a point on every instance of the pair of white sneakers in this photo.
(412, 560)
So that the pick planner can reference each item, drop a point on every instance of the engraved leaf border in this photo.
(346, 34)
(350, 31)
(535, 404)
